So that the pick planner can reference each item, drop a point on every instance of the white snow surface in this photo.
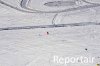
(33, 47)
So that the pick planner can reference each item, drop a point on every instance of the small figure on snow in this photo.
(86, 49)
(47, 33)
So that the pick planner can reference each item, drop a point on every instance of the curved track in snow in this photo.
(24, 2)
(16, 8)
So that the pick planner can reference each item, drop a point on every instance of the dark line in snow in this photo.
(58, 11)
(50, 26)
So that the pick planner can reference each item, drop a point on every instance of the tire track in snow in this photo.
(58, 11)
(16, 8)
(50, 26)
(91, 5)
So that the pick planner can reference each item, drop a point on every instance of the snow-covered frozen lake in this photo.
(34, 47)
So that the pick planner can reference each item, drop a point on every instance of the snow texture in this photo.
(32, 33)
